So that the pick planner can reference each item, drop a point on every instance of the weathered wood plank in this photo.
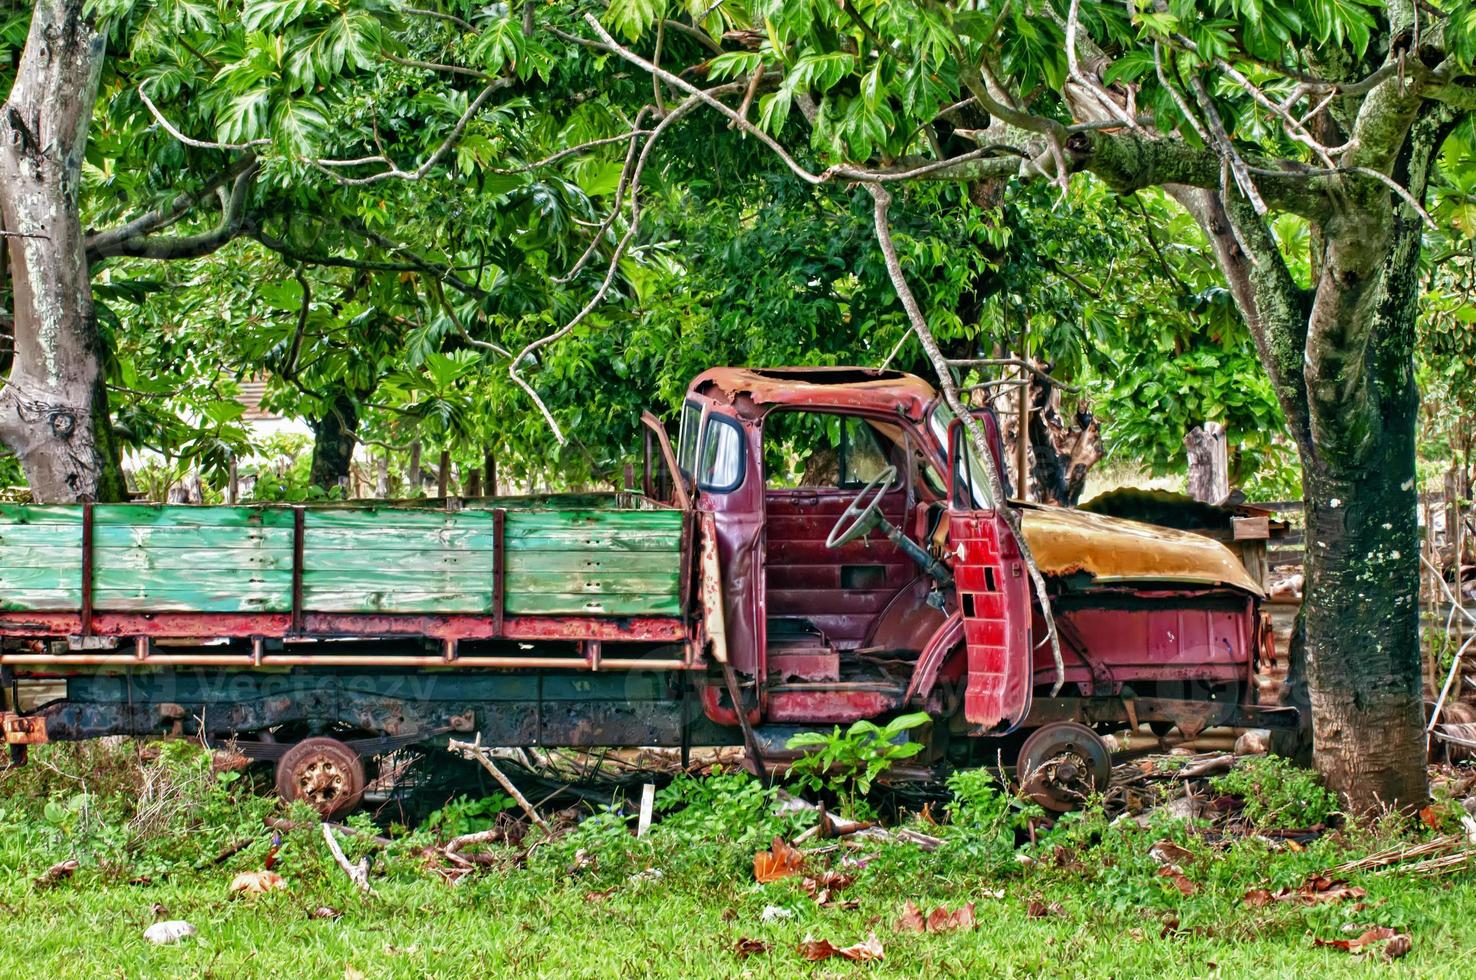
(629, 520)
(59, 537)
(190, 516)
(530, 560)
(156, 599)
(121, 536)
(397, 600)
(377, 580)
(12, 514)
(470, 563)
(185, 560)
(398, 539)
(537, 539)
(38, 600)
(607, 583)
(376, 519)
(543, 604)
(15, 578)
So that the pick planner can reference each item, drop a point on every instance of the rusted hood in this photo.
(1115, 550)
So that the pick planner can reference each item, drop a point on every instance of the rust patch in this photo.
(23, 729)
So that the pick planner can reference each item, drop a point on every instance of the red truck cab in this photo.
(924, 600)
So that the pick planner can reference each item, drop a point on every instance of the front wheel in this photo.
(1061, 764)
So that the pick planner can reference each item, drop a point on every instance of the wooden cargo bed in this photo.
(574, 567)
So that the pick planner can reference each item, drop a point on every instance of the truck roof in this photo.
(857, 388)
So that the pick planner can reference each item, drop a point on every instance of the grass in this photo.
(555, 911)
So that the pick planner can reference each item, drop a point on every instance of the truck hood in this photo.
(1112, 549)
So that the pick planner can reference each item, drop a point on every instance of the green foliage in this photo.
(726, 806)
(849, 763)
(465, 815)
(985, 816)
(1277, 793)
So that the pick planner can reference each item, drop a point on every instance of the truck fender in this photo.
(945, 641)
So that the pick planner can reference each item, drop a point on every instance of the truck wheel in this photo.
(1061, 764)
(323, 773)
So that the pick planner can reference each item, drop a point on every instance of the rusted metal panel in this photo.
(860, 389)
(347, 625)
(994, 598)
(1110, 549)
(711, 592)
(23, 729)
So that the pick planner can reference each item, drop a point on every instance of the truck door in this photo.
(993, 593)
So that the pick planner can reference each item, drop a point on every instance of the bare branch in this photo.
(438, 15)
(172, 130)
(436, 66)
(977, 439)
(393, 171)
(610, 270)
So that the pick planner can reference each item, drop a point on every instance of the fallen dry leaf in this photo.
(1316, 890)
(779, 861)
(324, 912)
(942, 920)
(1037, 909)
(1396, 943)
(256, 883)
(824, 888)
(1167, 852)
(1175, 874)
(57, 873)
(868, 949)
(746, 947)
(939, 920)
(911, 919)
(593, 897)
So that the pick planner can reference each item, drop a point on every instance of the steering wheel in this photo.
(860, 516)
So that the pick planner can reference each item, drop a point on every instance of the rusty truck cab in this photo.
(827, 630)
(924, 600)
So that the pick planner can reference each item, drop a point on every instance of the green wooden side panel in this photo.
(385, 559)
(191, 559)
(578, 559)
(593, 562)
(40, 557)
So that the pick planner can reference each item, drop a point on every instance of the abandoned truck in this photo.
(818, 547)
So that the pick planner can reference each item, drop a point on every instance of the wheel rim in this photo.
(1061, 765)
(323, 773)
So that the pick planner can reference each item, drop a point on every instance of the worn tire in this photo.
(323, 773)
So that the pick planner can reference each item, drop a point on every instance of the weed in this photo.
(847, 764)
(1277, 793)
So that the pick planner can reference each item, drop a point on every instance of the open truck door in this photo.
(993, 593)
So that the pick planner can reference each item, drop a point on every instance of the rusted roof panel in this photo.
(1115, 550)
(860, 388)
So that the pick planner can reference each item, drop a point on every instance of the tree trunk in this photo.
(334, 441)
(54, 410)
(1362, 620)
(1209, 463)
(1363, 574)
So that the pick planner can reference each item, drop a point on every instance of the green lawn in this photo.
(555, 911)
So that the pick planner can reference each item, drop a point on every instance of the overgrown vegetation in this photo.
(158, 832)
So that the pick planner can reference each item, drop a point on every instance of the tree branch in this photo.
(232, 223)
(100, 244)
